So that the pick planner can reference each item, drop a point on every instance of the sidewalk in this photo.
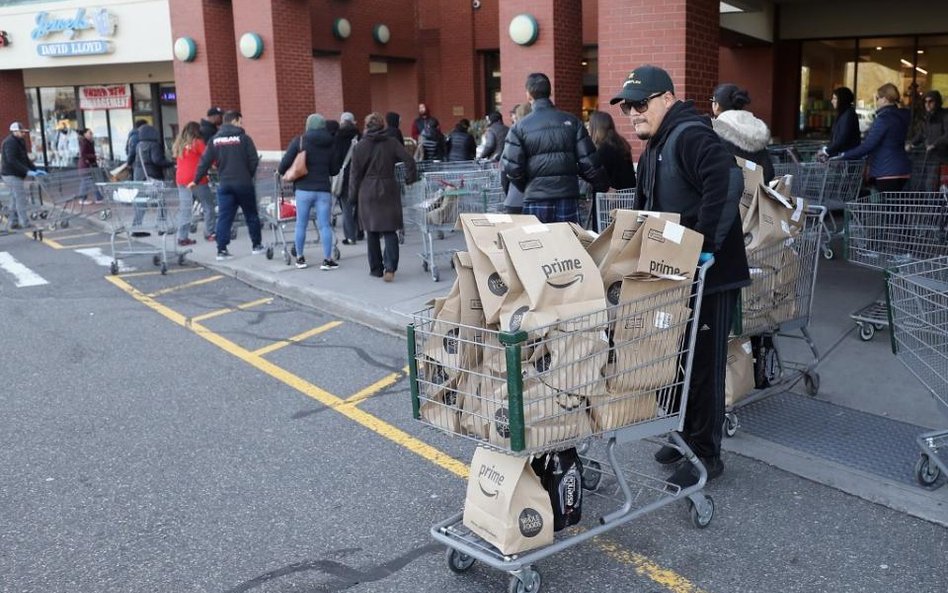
(856, 435)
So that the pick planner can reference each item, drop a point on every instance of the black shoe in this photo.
(668, 455)
(141, 234)
(348, 242)
(686, 476)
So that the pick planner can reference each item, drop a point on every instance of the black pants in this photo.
(704, 416)
(379, 262)
(884, 185)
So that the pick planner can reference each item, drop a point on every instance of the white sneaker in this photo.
(258, 249)
(301, 263)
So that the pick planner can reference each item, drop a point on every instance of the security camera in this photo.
(476, 4)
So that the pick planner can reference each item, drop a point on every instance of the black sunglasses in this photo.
(639, 106)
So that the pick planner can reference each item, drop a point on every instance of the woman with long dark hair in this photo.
(614, 151)
(845, 132)
(187, 150)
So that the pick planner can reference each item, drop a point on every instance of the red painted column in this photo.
(557, 52)
(12, 100)
(211, 79)
(681, 36)
(276, 90)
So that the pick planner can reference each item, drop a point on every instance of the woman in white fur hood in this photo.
(743, 134)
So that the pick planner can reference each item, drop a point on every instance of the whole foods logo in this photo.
(543, 364)
(494, 479)
(530, 522)
(516, 320)
(496, 285)
(439, 376)
(613, 293)
(748, 238)
(502, 423)
(450, 341)
(451, 398)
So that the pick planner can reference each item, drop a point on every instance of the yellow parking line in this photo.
(47, 241)
(76, 236)
(374, 424)
(297, 338)
(185, 285)
(387, 381)
(220, 312)
(641, 564)
(157, 272)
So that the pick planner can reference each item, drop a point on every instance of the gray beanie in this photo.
(315, 121)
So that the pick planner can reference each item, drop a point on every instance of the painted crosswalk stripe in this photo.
(103, 259)
(23, 275)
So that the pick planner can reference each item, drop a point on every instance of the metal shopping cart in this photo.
(917, 297)
(777, 305)
(891, 229)
(136, 209)
(447, 194)
(505, 391)
(801, 151)
(623, 199)
(927, 171)
(831, 184)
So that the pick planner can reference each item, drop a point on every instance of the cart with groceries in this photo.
(892, 229)
(607, 202)
(553, 340)
(917, 297)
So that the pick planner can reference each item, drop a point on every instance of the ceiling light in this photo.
(922, 70)
(921, 51)
(878, 48)
(584, 63)
(906, 63)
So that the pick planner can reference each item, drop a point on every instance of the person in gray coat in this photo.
(373, 185)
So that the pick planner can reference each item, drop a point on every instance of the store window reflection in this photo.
(60, 122)
(827, 65)
(35, 124)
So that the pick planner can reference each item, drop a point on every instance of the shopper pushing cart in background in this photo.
(16, 167)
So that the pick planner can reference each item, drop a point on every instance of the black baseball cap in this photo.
(215, 111)
(642, 83)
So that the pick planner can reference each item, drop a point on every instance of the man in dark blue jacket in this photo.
(16, 167)
(546, 153)
(686, 169)
(237, 160)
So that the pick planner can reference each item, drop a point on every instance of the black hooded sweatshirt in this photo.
(320, 160)
(235, 155)
(709, 207)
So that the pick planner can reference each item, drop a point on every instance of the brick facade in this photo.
(681, 36)
(12, 100)
(557, 51)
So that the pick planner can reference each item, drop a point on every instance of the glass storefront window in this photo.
(36, 125)
(60, 121)
(98, 122)
(881, 61)
(827, 65)
(168, 99)
(121, 123)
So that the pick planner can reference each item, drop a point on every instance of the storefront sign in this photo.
(4, 39)
(100, 20)
(114, 96)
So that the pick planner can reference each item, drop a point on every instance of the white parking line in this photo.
(22, 274)
(103, 259)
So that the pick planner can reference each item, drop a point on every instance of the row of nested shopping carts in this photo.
(53, 200)
(443, 191)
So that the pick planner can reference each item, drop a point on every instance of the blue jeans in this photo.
(229, 198)
(305, 202)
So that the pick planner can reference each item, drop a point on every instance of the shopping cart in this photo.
(623, 199)
(778, 304)
(801, 151)
(891, 229)
(917, 297)
(447, 194)
(136, 209)
(831, 184)
(501, 390)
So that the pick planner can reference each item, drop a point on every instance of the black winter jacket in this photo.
(341, 143)
(492, 145)
(153, 157)
(845, 133)
(546, 151)
(235, 155)
(460, 145)
(207, 131)
(131, 143)
(709, 208)
(934, 132)
(619, 168)
(16, 159)
(320, 160)
(431, 143)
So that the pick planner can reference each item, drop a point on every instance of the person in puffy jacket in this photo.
(313, 189)
(492, 143)
(431, 143)
(546, 153)
(744, 135)
(150, 159)
(188, 149)
(460, 145)
(884, 145)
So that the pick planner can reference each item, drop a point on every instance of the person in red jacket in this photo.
(87, 162)
(188, 149)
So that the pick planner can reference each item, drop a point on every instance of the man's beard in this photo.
(644, 135)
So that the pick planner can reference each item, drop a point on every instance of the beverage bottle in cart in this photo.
(562, 478)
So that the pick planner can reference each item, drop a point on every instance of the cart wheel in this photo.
(293, 250)
(828, 253)
(269, 252)
(156, 259)
(181, 260)
(193, 227)
(64, 224)
(435, 274)
(926, 472)
(528, 581)
(878, 326)
(439, 235)
(592, 475)
(287, 259)
(33, 215)
(114, 268)
(730, 424)
(336, 254)
(424, 266)
(104, 215)
(811, 384)
(44, 214)
(164, 268)
(703, 520)
(866, 331)
(37, 235)
(333, 221)
(458, 562)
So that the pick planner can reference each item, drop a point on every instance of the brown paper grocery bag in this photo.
(612, 411)
(550, 416)
(438, 395)
(615, 251)
(506, 504)
(773, 217)
(739, 379)
(787, 291)
(496, 281)
(753, 178)
(668, 249)
(649, 333)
